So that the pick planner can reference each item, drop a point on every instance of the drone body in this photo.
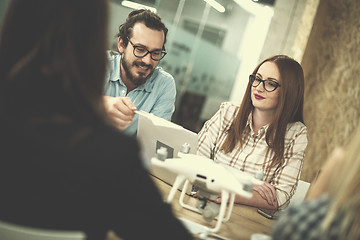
(211, 179)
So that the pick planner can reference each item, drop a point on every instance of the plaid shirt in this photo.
(304, 221)
(253, 156)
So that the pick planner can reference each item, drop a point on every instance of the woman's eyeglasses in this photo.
(268, 84)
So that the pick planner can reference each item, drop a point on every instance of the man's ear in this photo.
(120, 45)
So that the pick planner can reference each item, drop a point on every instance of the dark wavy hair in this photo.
(289, 109)
(53, 59)
(150, 19)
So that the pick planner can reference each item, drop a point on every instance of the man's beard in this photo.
(141, 77)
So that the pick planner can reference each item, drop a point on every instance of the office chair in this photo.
(10, 231)
(300, 193)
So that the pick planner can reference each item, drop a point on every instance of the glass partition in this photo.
(203, 73)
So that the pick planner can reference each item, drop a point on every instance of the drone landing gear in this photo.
(208, 209)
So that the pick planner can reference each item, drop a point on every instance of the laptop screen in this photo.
(154, 132)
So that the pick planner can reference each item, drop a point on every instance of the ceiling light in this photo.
(255, 8)
(135, 5)
(216, 5)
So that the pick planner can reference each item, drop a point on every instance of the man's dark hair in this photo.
(150, 19)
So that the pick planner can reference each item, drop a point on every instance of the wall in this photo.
(304, 29)
(283, 28)
(331, 63)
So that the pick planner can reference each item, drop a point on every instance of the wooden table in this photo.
(244, 220)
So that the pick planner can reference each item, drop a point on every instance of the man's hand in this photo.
(121, 110)
(267, 192)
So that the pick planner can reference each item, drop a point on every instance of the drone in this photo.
(209, 179)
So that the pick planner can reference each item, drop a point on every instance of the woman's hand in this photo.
(267, 192)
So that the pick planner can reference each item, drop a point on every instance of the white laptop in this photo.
(154, 132)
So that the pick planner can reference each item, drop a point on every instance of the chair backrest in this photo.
(300, 192)
(9, 231)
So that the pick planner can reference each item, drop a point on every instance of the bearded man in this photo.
(134, 81)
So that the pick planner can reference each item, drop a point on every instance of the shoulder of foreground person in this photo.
(302, 221)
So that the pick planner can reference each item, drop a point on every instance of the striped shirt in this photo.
(254, 156)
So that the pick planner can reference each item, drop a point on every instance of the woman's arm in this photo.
(263, 196)
(288, 173)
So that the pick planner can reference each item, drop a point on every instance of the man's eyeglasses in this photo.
(141, 52)
(269, 85)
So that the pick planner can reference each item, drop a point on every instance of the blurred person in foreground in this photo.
(62, 165)
(332, 205)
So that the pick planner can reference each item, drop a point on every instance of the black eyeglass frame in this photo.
(163, 53)
(252, 78)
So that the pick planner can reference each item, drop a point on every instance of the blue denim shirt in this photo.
(156, 95)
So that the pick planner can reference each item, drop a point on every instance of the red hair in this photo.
(289, 109)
